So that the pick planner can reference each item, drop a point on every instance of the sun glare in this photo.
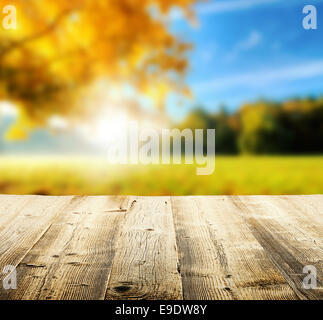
(110, 128)
(8, 109)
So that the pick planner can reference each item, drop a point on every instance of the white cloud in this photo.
(252, 41)
(263, 77)
(222, 6)
(230, 5)
(218, 7)
(207, 52)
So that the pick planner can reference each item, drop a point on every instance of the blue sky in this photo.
(251, 49)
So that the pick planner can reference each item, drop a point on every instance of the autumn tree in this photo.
(60, 47)
(264, 127)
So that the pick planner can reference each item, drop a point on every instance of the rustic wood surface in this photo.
(117, 247)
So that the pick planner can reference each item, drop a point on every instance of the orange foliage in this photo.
(60, 47)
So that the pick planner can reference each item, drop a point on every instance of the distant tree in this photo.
(294, 126)
(198, 118)
(261, 132)
(226, 134)
(304, 120)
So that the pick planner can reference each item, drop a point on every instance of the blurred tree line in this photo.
(265, 127)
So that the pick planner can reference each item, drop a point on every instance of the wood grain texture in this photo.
(220, 257)
(116, 247)
(291, 242)
(146, 260)
(73, 258)
(10, 207)
(200, 256)
(27, 225)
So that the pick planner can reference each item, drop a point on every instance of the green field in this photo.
(93, 176)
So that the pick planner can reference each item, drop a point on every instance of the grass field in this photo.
(94, 176)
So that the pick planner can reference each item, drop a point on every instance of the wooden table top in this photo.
(118, 247)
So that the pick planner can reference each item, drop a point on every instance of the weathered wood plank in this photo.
(10, 207)
(145, 264)
(219, 257)
(73, 259)
(26, 226)
(252, 247)
(199, 256)
(289, 236)
(304, 212)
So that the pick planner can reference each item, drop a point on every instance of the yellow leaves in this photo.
(187, 93)
(254, 117)
(137, 54)
(16, 132)
(21, 129)
(62, 45)
(158, 93)
(302, 106)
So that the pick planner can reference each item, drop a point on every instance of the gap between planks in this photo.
(161, 247)
(71, 260)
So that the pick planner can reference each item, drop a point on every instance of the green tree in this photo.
(261, 132)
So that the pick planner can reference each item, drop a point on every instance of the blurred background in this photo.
(73, 73)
